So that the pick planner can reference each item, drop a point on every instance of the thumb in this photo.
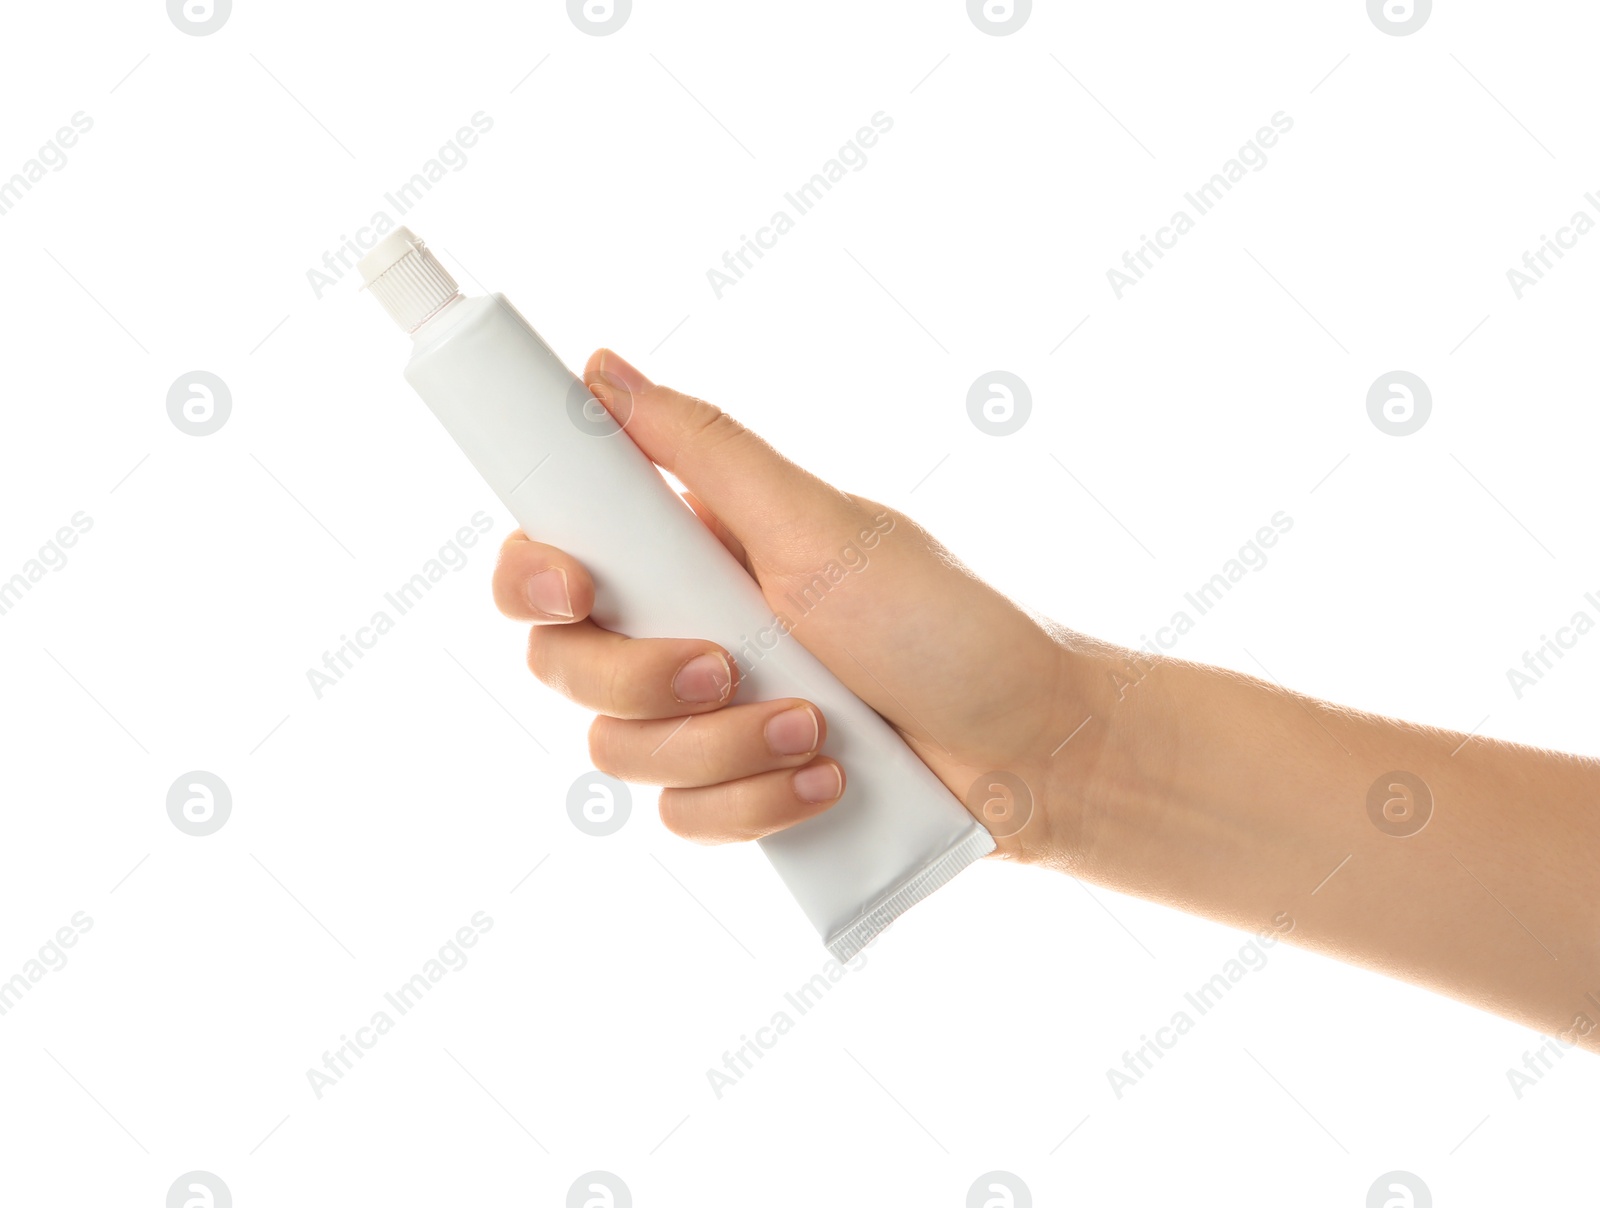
(772, 506)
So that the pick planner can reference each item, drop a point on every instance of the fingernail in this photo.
(818, 783)
(703, 679)
(792, 732)
(614, 369)
(547, 592)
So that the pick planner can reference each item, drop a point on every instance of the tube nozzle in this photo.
(407, 278)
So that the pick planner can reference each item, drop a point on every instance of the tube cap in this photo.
(407, 278)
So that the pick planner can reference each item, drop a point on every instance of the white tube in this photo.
(571, 477)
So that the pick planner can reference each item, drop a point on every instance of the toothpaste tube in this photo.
(570, 476)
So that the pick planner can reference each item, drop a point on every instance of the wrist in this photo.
(1108, 772)
(1207, 787)
(1159, 790)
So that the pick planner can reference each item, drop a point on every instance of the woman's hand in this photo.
(1207, 790)
(972, 682)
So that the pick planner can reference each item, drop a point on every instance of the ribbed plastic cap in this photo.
(407, 278)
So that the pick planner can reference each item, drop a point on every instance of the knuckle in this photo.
(620, 686)
(710, 426)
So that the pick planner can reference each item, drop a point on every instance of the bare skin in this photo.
(1200, 788)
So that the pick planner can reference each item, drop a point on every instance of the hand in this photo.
(1201, 788)
(970, 680)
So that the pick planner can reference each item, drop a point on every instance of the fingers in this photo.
(754, 806)
(730, 744)
(760, 495)
(631, 677)
(731, 774)
(539, 583)
(603, 671)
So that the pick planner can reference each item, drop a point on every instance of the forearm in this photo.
(1232, 798)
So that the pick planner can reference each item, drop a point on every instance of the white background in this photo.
(370, 824)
